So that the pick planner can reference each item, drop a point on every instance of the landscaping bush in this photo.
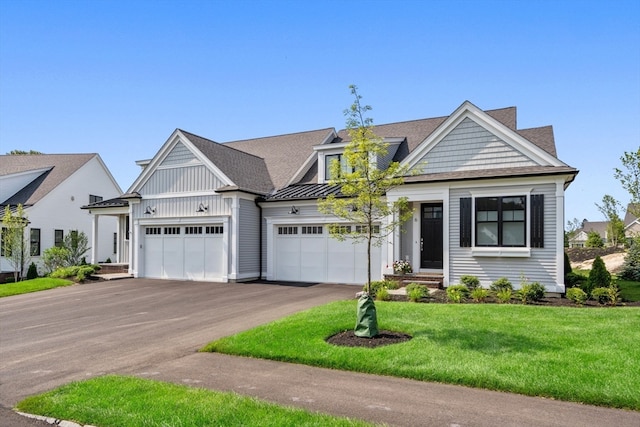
(631, 267)
(479, 294)
(377, 285)
(577, 295)
(471, 282)
(457, 293)
(572, 280)
(54, 258)
(599, 277)
(531, 292)
(504, 295)
(416, 291)
(78, 272)
(501, 284)
(383, 294)
(601, 295)
(32, 272)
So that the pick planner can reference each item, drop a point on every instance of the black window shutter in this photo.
(465, 222)
(537, 220)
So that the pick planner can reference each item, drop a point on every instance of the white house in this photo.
(489, 202)
(52, 188)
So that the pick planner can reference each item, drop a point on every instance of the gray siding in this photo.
(471, 147)
(183, 207)
(180, 155)
(540, 267)
(248, 239)
(180, 180)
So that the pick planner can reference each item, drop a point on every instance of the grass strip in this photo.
(117, 401)
(573, 354)
(34, 285)
(629, 290)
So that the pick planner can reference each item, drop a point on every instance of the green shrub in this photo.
(479, 294)
(577, 295)
(572, 280)
(531, 292)
(599, 277)
(614, 294)
(594, 240)
(504, 295)
(54, 258)
(32, 272)
(601, 295)
(501, 284)
(471, 282)
(567, 264)
(78, 272)
(381, 284)
(416, 291)
(383, 294)
(457, 293)
(631, 267)
(391, 284)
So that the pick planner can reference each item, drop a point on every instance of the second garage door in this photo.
(306, 253)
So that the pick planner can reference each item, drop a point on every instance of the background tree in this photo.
(77, 244)
(367, 215)
(615, 225)
(571, 230)
(14, 246)
(594, 240)
(629, 177)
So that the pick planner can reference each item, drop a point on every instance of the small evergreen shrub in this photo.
(531, 292)
(577, 295)
(416, 291)
(479, 294)
(457, 293)
(504, 295)
(599, 277)
(108, 261)
(471, 282)
(501, 284)
(572, 280)
(32, 272)
(567, 264)
(631, 267)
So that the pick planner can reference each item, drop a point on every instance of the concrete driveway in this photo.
(153, 329)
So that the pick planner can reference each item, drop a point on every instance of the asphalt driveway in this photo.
(153, 329)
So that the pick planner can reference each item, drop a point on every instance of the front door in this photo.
(431, 236)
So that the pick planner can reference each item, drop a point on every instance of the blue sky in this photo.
(117, 77)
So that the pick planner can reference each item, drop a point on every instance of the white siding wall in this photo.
(539, 267)
(180, 207)
(180, 180)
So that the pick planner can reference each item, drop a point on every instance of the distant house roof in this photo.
(55, 169)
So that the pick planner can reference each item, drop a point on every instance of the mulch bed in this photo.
(349, 339)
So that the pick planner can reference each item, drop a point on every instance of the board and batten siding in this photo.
(469, 146)
(540, 267)
(248, 239)
(183, 207)
(183, 179)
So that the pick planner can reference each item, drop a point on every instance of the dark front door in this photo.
(431, 236)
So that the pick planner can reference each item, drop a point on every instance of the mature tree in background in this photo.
(629, 177)
(367, 215)
(571, 230)
(14, 245)
(615, 226)
(23, 153)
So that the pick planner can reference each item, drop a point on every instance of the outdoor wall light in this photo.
(202, 208)
(149, 210)
(293, 211)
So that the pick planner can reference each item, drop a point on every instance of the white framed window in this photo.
(288, 230)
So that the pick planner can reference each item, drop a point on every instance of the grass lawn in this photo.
(116, 401)
(33, 285)
(588, 355)
(629, 290)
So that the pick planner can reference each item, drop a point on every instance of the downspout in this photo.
(257, 201)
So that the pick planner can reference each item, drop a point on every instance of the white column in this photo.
(94, 239)
(560, 287)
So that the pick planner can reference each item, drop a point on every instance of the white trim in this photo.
(182, 194)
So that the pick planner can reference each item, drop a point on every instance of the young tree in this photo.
(14, 247)
(594, 240)
(615, 226)
(363, 186)
(23, 152)
(630, 178)
(77, 244)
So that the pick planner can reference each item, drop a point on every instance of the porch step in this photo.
(430, 280)
(113, 268)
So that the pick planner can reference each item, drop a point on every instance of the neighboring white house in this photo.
(52, 188)
(488, 200)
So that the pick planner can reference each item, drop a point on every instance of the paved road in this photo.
(153, 329)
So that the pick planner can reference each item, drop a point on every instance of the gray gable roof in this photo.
(60, 167)
(247, 171)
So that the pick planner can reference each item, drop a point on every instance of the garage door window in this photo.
(214, 229)
(193, 230)
(153, 230)
(172, 230)
(312, 229)
(287, 230)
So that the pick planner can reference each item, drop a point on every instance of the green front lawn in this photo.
(588, 355)
(629, 291)
(115, 401)
(33, 285)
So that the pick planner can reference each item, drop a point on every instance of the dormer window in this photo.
(328, 162)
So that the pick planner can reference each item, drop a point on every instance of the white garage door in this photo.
(306, 253)
(184, 253)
